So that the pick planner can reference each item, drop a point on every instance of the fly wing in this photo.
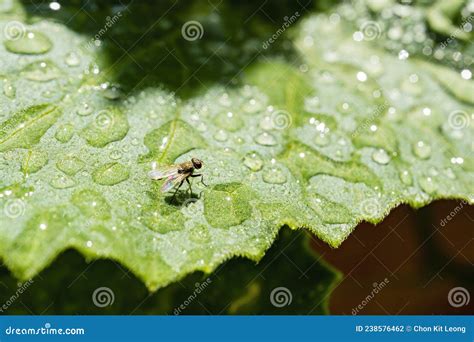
(172, 181)
(163, 173)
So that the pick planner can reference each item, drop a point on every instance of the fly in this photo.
(175, 175)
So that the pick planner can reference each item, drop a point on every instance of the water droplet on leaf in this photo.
(30, 43)
(274, 175)
(422, 150)
(381, 156)
(253, 161)
(265, 139)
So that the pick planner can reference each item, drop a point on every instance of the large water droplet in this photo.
(62, 182)
(229, 121)
(322, 139)
(85, 109)
(30, 43)
(64, 133)
(9, 89)
(108, 125)
(221, 135)
(34, 161)
(42, 71)
(253, 161)
(72, 59)
(111, 174)
(405, 177)
(422, 150)
(274, 175)
(266, 123)
(91, 203)
(381, 156)
(115, 154)
(233, 199)
(428, 185)
(70, 165)
(449, 173)
(252, 106)
(344, 107)
(112, 92)
(265, 139)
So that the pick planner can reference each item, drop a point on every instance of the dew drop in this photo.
(112, 92)
(115, 154)
(64, 133)
(427, 185)
(252, 106)
(344, 107)
(274, 175)
(253, 161)
(403, 54)
(322, 139)
(221, 135)
(266, 123)
(85, 109)
(449, 173)
(29, 43)
(405, 177)
(422, 150)
(9, 90)
(91, 203)
(72, 59)
(111, 174)
(457, 160)
(42, 71)
(62, 182)
(381, 156)
(265, 139)
(70, 165)
(34, 161)
(229, 121)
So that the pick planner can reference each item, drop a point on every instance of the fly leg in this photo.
(177, 188)
(190, 188)
(202, 178)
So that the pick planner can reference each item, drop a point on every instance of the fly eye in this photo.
(197, 163)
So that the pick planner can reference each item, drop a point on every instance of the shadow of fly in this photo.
(175, 175)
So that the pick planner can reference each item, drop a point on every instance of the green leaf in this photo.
(340, 138)
(290, 275)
